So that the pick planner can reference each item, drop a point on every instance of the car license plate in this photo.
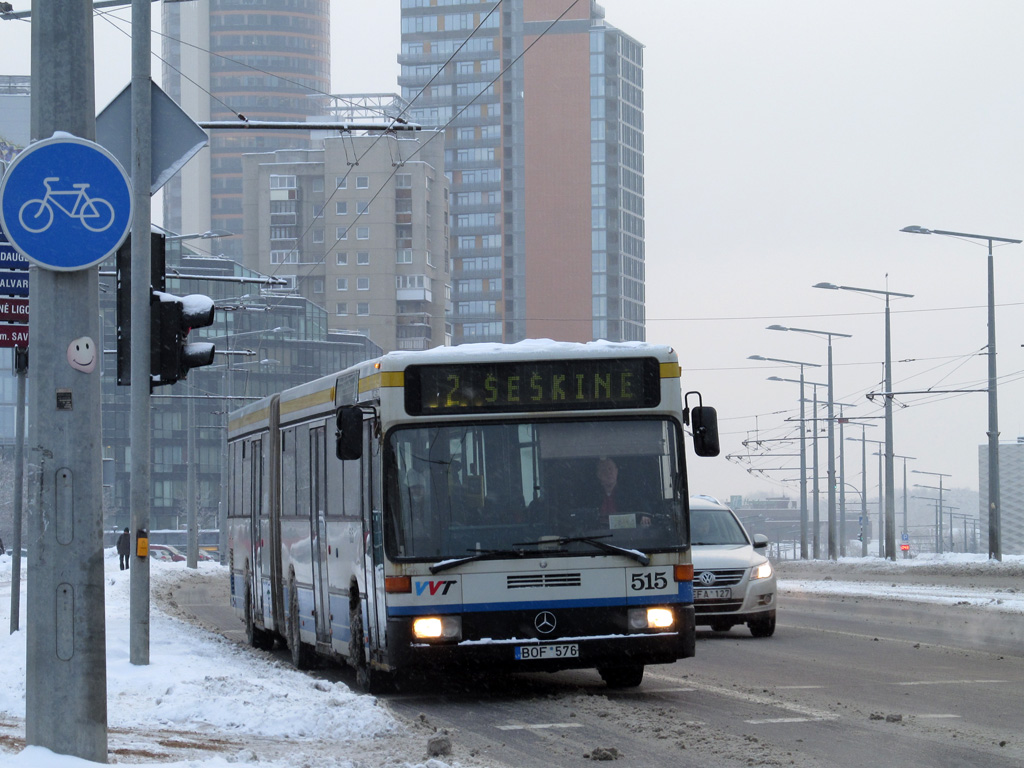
(556, 651)
(712, 594)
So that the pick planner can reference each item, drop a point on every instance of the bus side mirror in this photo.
(348, 444)
(704, 422)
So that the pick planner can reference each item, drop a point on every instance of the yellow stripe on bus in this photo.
(670, 371)
(248, 420)
(382, 379)
(308, 401)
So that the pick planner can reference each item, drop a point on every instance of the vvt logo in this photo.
(434, 587)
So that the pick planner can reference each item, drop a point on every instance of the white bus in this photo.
(446, 509)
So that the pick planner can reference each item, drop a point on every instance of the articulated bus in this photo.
(445, 509)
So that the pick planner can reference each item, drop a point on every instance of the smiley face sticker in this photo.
(82, 354)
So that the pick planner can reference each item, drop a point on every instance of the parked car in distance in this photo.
(733, 582)
(166, 552)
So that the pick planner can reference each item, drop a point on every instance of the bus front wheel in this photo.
(627, 676)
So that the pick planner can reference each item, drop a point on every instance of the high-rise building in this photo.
(543, 116)
(360, 227)
(267, 60)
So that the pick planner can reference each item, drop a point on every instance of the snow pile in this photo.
(202, 689)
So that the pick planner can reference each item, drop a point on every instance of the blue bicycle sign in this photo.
(65, 203)
(95, 213)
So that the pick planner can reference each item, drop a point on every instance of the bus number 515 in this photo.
(644, 581)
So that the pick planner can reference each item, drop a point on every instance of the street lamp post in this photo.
(803, 448)
(815, 531)
(890, 481)
(832, 553)
(995, 548)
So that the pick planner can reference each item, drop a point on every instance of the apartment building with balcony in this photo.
(360, 227)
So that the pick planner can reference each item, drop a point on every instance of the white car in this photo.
(733, 582)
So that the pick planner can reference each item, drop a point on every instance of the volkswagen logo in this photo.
(544, 622)
(707, 578)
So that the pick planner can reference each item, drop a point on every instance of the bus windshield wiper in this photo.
(595, 541)
(487, 554)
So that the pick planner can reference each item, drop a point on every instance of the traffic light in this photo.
(171, 318)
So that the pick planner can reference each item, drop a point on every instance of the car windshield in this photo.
(509, 489)
(715, 526)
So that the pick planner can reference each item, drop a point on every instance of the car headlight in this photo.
(650, 618)
(762, 571)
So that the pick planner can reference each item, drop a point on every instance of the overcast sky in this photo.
(787, 142)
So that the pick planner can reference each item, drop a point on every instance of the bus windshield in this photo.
(550, 488)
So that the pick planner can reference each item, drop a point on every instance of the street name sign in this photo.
(65, 203)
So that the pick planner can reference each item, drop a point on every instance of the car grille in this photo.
(724, 577)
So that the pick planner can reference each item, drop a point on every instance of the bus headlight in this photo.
(762, 571)
(650, 618)
(437, 628)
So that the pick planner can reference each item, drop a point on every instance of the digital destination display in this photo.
(531, 385)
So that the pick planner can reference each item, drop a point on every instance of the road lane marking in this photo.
(798, 687)
(752, 698)
(773, 720)
(952, 682)
(537, 726)
(937, 717)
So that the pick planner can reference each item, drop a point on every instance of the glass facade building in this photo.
(544, 151)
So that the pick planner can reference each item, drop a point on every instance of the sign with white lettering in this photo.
(13, 336)
(13, 283)
(14, 311)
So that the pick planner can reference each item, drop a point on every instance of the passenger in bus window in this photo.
(422, 526)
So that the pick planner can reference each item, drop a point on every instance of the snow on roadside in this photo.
(848, 576)
(202, 686)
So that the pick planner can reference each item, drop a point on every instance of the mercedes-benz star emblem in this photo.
(544, 622)
(707, 578)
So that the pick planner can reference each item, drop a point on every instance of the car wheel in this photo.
(764, 627)
(629, 676)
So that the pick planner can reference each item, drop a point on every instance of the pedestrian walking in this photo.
(124, 548)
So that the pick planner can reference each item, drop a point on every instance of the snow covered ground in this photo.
(204, 702)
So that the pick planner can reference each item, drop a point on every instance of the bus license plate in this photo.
(712, 594)
(557, 651)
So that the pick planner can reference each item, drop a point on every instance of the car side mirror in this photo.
(760, 541)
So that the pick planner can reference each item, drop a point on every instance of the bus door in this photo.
(374, 537)
(317, 493)
(254, 487)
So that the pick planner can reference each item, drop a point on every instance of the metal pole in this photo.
(890, 483)
(842, 489)
(192, 550)
(816, 533)
(881, 505)
(19, 478)
(803, 471)
(139, 414)
(863, 493)
(995, 547)
(65, 674)
(938, 518)
(906, 530)
(831, 462)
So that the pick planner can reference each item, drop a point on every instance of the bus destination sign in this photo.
(532, 385)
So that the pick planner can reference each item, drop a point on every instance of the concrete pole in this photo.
(890, 482)
(995, 545)
(816, 533)
(842, 488)
(803, 471)
(863, 493)
(831, 461)
(140, 492)
(66, 682)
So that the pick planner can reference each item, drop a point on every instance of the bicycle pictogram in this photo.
(95, 213)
